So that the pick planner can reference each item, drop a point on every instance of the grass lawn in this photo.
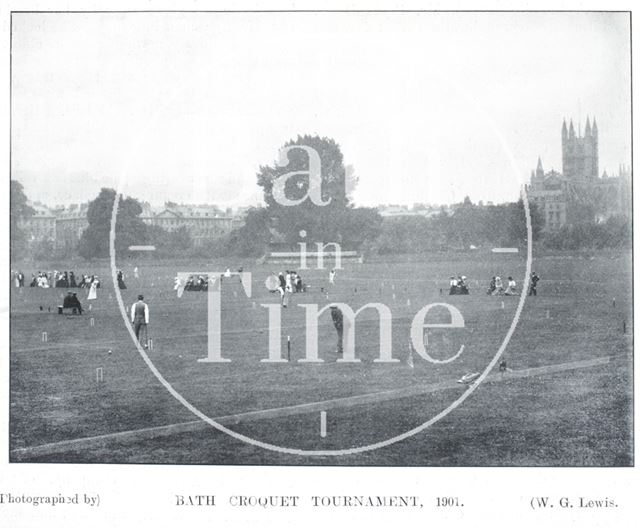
(575, 417)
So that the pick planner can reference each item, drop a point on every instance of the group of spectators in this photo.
(458, 285)
(291, 282)
(72, 302)
(198, 282)
(56, 279)
(287, 283)
(194, 283)
(497, 287)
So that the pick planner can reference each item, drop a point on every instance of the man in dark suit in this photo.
(338, 323)
(533, 284)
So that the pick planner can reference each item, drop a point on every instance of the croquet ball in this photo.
(109, 351)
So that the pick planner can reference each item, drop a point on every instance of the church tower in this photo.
(539, 170)
(580, 153)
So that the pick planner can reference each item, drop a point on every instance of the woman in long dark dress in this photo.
(121, 283)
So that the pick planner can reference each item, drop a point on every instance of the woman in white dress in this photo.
(93, 291)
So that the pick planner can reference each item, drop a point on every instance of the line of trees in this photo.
(615, 232)
(335, 220)
(467, 225)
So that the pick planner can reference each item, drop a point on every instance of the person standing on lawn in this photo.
(140, 317)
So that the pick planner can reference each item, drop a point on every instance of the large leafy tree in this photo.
(19, 211)
(517, 222)
(252, 238)
(130, 229)
(337, 221)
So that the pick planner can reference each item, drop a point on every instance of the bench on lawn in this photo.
(71, 310)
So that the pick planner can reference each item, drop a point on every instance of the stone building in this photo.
(63, 226)
(549, 191)
(580, 153)
(578, 193)
(71, 221)
(41, 226)
(203, 222)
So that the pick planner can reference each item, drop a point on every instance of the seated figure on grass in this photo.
(511, 287)
(458, 286)
(499, 288)
(193, 283)
(72, 302)
(453, 285)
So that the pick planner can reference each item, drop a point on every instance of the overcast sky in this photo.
(426, 107)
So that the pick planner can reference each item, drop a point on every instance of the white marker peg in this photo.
(45, 337)
(323, 424)
(92, 322)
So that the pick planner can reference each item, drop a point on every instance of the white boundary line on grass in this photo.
(304, 408)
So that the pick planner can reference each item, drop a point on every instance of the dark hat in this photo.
(140, 297)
